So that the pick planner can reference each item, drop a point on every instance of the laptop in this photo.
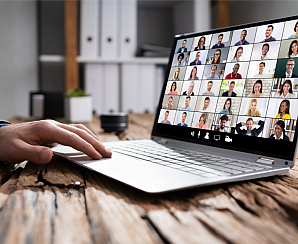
(227, 112)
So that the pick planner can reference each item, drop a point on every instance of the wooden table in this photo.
(63, 203)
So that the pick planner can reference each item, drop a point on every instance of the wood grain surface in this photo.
(64, 203)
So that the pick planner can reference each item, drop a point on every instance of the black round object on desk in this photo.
(116, 122)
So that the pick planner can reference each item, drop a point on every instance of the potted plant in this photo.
(77, 106)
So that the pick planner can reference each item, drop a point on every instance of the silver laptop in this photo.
(227, 112)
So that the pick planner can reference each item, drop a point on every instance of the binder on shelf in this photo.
(109, 29)
(89, 34)
(128, 28)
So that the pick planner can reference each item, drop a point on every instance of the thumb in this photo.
(36, 154)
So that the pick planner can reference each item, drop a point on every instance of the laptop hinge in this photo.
(265, 161)
(162, 141)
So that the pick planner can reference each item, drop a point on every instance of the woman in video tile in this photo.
(252, 109)
(193, 74)
(279, 132)
(286, 90)
(257, 89)
(201, 44)
(227, 107)
(295, 35)
(293, 50)
(173, 89)
(202, 123)
(176, 74)
(284, 110)
(216, 57)
(237, 55)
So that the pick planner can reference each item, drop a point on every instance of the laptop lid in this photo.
(234, 88)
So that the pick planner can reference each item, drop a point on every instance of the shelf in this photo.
(52, 58)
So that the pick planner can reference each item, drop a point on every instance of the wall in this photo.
(18, 59)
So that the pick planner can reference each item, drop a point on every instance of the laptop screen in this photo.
(234, 88)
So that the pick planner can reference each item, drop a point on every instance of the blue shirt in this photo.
(215, 77)
(186, 109)
(225, 111)
(239, 43)
(185, 125)
(226, 94)
(220, 46)
(167, 123)
(194, 62)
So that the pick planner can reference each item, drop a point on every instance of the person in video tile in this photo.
(206, 103)
(216, 57)
(219, 43)
(234, 74)
(182, 49)
(289, 70)
(193, 74)
(169, 105)
(213, 74)
(252, 109)
(165, 120)
(230, 92)
(173, 89)
(201, 44)
(265, 50)
(184, 115)
(187, 103)
(268, 34)
(227, 107)
(295, 35)
(237, 55)
(257, 89)
(202, 123)
(249, 124)
(180, 58)
(176, 74)
(279, 132)
(190, 92)
(242, 39)
(196, 61)
(293, 50)
(286, 90)
(261, 74)
(209, 87)
(284, 110)
(223, 121)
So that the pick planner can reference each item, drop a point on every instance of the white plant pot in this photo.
(78, 109)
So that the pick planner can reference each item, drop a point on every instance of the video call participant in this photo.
(242, 39)
(187, 103)
(180, 58)
(252, 109)
(293, 50)
(279, 132)
(284, 110)
(219, 43)
(173, 89)
(265, 50)
(190, 92)
(216, 57)
(184, 115)
(257, 89)
(213, 75)
(234, 74)
(223, 121)
(261, 73)
(206, 103)
(295, 35)
(201, 44)
(286, 90)
(237, 55)
(193, 74)
(289, 70)
(227, 107)
(165, 120)
(176, 74)
(202, 122)
(209, 87)
(182, 49)
(249, 124)
(230, 92)
(197, 61)
(169, 105)
(268, 34)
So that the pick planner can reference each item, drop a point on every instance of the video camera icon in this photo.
(228, 139)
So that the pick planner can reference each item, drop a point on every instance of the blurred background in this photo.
(115, 50)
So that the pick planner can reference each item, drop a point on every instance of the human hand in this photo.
(21, 142)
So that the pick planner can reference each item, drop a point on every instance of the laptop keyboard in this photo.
(202, 164)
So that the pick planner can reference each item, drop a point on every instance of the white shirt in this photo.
(281, 137)
(289, 95)
(292, 56)
(288, 75)
(260, 76)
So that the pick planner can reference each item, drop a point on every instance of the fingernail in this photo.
(44, 156)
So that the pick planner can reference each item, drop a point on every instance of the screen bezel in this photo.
(206, 143)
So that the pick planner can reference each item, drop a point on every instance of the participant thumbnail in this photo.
(221, 40)
(230, 105)
(224, 123)
(280, 129)
(261, 69)
(194, 72)
(289, 49)
(269, 33)
(187, 103)
(285, 88)
(291, 29)
(170, 102)
(210, 87)
(264, 51)
(257, 87)
(191, 88)
(206, 104)
(174, 87)
(282, 108)
(243, 36)
(250, 126)
(217, 56)
(183, 118)
(240, 53)
(183, 45)
(202, 120)
(166, 116)
(236, 70)
(214, 71)
(179, 59)
(198, 57)
(253, 107)
(201, 43)
(232, 88)
(286, 68)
